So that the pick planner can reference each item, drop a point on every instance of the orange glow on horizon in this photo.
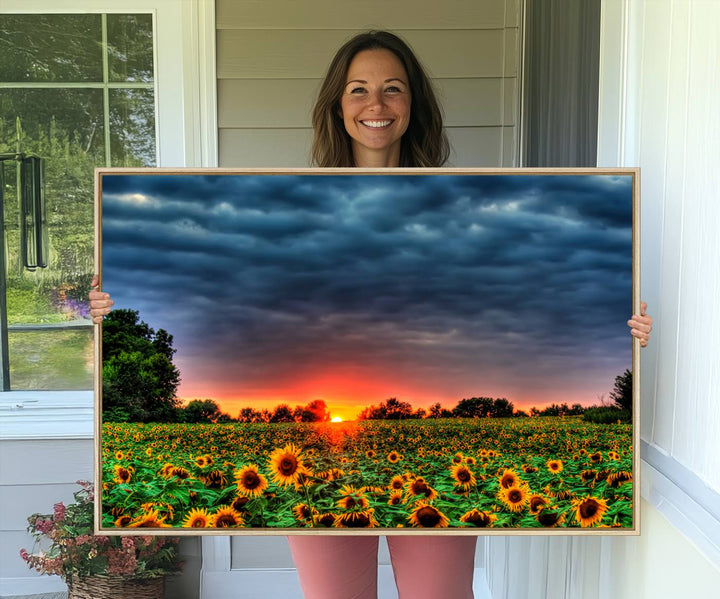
(347, 396)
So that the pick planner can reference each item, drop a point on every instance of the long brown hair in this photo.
(423, 144)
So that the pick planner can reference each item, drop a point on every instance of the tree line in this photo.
(140, 384)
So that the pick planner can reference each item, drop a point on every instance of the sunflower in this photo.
(371, 453)
(119, 455)
(514, 498)
(364, 519)
(509, 479)
(420, 488)
(596, 457)
(123, 521)
(327, 519)
(536, 503)
(249, 481)
(304, 513)
(226, 517)
(527, 469)
(470, 461)
(397, 483)
(478, 518)
(181, 473)
(554, 466)
(394, 457)
(463, 476)
(352, 499)
(163, 508)
(396, 498)
(618, 478)
(458, 458)
(286, 465)
(151, 519)
(427, 516)
(589, 511)
(200, 461)
(197, 518)
(550, 518)
(613, 455)
(122, 474)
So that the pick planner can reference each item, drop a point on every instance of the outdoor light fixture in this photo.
(33, 213)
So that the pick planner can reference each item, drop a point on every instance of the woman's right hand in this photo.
(100, 302)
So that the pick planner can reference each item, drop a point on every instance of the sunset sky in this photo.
(357, 288)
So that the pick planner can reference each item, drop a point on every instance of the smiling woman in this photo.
(375, 107)
(377, 99)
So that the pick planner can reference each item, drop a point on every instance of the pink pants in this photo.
(428, 567)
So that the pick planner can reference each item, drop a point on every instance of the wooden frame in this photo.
(465, 286)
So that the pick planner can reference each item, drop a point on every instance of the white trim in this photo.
(691, 506)
(216, 554)
(46, 415)
(201, 82)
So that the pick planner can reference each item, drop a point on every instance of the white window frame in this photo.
(186, 130)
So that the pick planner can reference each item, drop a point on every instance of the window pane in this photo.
(50, 48)
(130, 47)
(51, 360)
(52, 119)
(132, 127)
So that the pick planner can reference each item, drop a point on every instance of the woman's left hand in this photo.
(641, 325)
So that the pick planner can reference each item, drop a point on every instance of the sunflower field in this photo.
(431, 473)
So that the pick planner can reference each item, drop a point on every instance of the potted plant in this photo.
(98, 566)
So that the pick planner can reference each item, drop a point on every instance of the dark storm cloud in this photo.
(387, 266)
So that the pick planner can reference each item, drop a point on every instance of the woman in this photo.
(376, 108)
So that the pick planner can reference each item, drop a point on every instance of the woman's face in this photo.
(375, 107)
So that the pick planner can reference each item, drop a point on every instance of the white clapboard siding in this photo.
(264, 147)
(252, 54)
(470, 146)
(350, 14)
(288, 103)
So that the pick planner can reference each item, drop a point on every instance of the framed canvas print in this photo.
(400, 351)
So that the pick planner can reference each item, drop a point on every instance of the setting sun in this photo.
(336, 419)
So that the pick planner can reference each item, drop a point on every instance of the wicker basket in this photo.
(116, 587)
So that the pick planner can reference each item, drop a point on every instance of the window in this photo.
(77, 90)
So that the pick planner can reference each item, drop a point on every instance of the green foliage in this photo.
(622, 393)
(607, 415)
(392, 409)
(201, 410)
(563, 409)
(483, 407)
(139, 378)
